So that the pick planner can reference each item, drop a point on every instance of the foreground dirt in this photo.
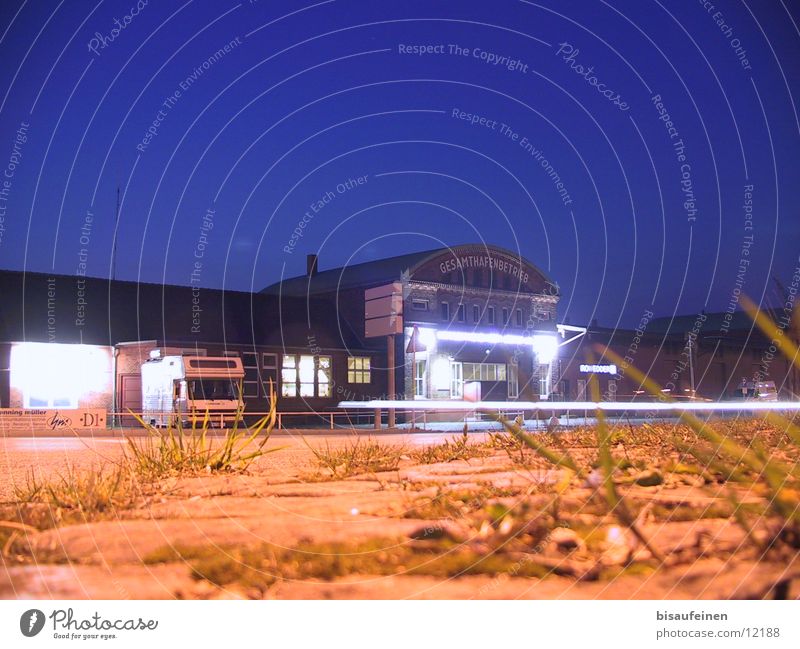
(288, 529)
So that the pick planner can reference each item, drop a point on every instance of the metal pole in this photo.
(391, 368)
(691, 366)
(414, 374)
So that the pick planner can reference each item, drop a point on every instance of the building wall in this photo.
(718, 364)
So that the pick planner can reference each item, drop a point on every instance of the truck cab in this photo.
(185, 388)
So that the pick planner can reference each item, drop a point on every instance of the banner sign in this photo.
(18, 419)
(383, 310)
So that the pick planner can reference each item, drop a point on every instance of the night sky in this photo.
(637, 151)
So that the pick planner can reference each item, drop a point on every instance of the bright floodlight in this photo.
(427, 337)
(58, 372)
(440, 374)
(546, 348)
(483, 337)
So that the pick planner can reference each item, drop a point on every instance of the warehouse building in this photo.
(471, 322)
(478, 321)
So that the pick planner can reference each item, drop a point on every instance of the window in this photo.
(419, 305)
(289, 376)
(513, 380)
(324, 376)
(445, 311)
(305, 371)
(581, 395)
(505, 316)
(51, 400)
(456, 380)
(305, 376)
(484, 371)
(476, 313)
(544, 386)
(358, 370)
(209, 389)
(210, 364)
(461, 313)
(250, 362)
(269, 372)
(490, 314)
(519, 317)
(419, 379)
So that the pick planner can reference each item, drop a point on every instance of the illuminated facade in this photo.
(479, 324)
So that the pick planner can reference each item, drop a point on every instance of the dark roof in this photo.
(715, 323)
(363, 275)
(62, 308)
(374, 273)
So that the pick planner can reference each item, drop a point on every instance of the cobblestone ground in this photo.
(484, 525)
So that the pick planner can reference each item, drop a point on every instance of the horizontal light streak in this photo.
(484, 337)
(609, 406)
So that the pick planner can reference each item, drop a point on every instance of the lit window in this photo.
(358, 369)
(306, 376)
(35, 400)
(484, 372)
(324, 376)
(513, 380)
(445, 311)
(419, 379)
(456, 381)
(289, 376)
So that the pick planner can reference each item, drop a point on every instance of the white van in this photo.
(184, 388)
(766, 391)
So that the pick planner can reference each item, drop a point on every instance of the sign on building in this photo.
(19, 419)
(383, 310)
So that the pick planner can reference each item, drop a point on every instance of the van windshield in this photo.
(205, 389)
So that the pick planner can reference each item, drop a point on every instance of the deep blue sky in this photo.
(313, 94)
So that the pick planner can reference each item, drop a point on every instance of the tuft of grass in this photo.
(100, 491)
(559, 458)
(354, 458)
(180, 451)
(457, 448)
(90, 492)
